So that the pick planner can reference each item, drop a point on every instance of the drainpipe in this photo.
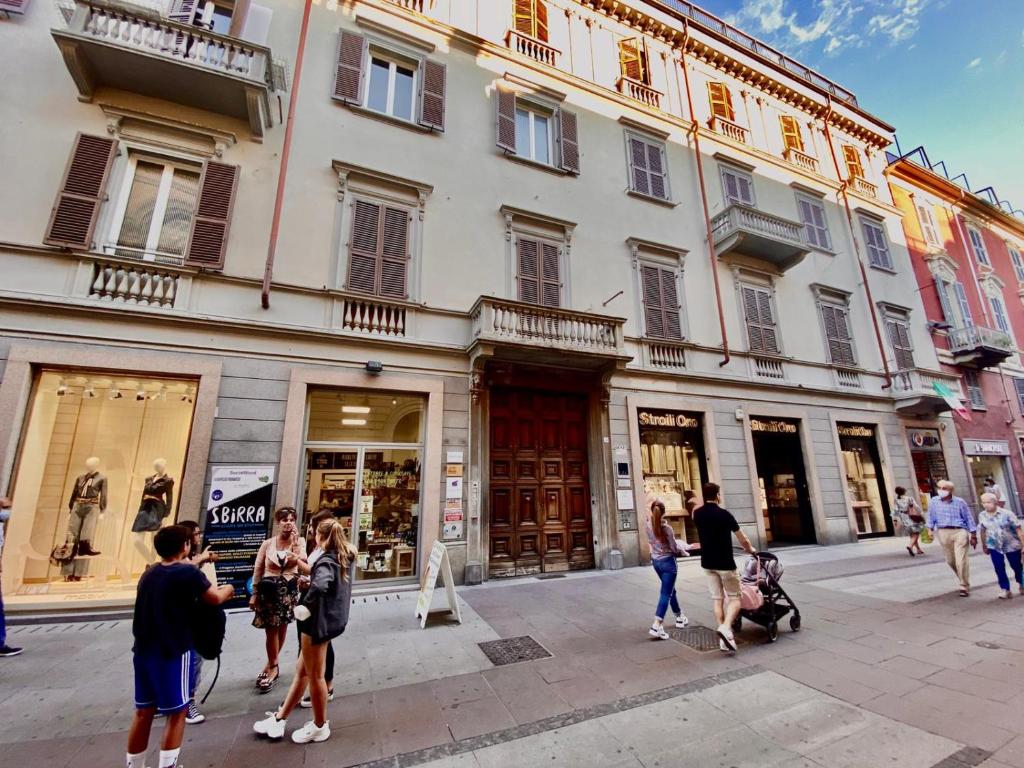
(970, 260)
(695, 132)
(282, 175)
(856, 248)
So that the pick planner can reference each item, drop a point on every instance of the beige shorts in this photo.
(722, 583)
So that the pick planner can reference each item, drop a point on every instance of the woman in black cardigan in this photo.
(322, 616)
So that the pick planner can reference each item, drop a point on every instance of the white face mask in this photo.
(945, 493)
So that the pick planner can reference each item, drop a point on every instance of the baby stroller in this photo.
(764, 570)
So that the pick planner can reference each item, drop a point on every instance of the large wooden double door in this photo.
(539, 492)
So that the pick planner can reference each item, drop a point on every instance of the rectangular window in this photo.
(812, 214)
(973, 385)
(154, 216)
(877, 245)
(928, 226)
(738, 187)
(854, 169)
(379, 255)
(648, 169)
(721, 101)
(531, 18)
(944, 290)
(899, 338)
(392, 87)
(633, 60)
(965, 308)
(999, 313)
(978, 246)
(661, 302)
(1018, 263)
(791, 136)
(533, 135)
(837, 334)
(1018, 385)
(538, 271)
(759, 316)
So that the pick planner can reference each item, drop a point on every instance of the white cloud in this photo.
(900, 21)
(974, 63)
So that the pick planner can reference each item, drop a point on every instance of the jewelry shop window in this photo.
(364, 452)
(100, 461)
(674, 465)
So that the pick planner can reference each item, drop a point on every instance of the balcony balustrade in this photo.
(531, 47)
(752, 232)
(979, 346)
(857, 184)
(665, 355)
(801, 159)
(729, 129)
(639, 91)
(916, 395)
(135, 49)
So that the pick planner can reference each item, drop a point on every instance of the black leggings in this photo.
(328, 662)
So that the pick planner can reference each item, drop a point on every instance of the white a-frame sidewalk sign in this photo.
(439, 564)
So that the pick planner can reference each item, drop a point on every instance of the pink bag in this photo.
(751, 597)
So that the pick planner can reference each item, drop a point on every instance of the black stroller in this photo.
(765, 570)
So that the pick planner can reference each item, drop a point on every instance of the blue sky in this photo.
(948, 74)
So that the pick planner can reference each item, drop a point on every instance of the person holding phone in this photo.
(275, 585)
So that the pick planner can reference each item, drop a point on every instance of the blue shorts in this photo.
(164, 682)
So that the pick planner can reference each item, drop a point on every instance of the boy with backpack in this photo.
(166, 606)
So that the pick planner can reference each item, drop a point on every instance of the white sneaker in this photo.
(305, 702)
(682, 621)
(270, 727)
(310, 732)
(726, 638)
(723, 647)
(659, 633)
(1005, 594)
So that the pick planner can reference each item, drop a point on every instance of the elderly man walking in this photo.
(950, 519)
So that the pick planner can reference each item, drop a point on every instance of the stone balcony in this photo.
(915, 394)
(801, 159)
(638, 91)
(752, 232)
(979, 347)
(529, 332)
(729, 129)
(863, 187)
(531, 47)
(118, 45)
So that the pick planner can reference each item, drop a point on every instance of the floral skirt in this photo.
(275, 603)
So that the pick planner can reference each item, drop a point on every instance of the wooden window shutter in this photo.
(965, 307)
(630, 60)
(764, 305)
(541, 17)
(209, 237)
(942, 289)
(183, 11)
(528, 255)
(899, 337)
(394, 253)
(14, 6)
(721, 101)
(568, 141)
(791, 136)
(550, 275)
(238, 16)
(351, 65)
(654, 316)
(433, 77)
(852, 158)
(753, 319)
(974, 391)
(657, 172)
(523, 18)
(837, 334)
(73, 217)
(506, 120)
(1018, 385)
(638, 172)
(670, 302)
(365, 246)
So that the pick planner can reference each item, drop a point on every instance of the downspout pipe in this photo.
(856, 248)
(282, 176)
(695, 133)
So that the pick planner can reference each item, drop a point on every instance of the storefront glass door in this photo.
(863, 474)
(782, 478)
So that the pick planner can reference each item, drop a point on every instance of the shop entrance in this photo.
(929, 462)
(989, 463)
(862, 468)
(782, 478)
(539, 494)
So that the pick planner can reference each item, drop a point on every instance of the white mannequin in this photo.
(144, 539)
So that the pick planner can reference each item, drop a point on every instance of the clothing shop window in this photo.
(851, 156)
(877, 244)
(364, 453)
(98, 464)
(633, 60)
(1018, 262)
(791, 136)
(812, 214)
(648, 166)
(929, 228)
(862, 467)
(531, 19)
(721, 101)
(661, 302)
(978, 246)
(738, 187)
(759, 317)
(674, 464)
(972, 383)
(379, 255)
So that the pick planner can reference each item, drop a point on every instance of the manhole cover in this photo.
(551, 576)
(696, 637)
(990, 646)
(512, 650)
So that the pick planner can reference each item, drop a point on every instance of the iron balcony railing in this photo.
(976, 337)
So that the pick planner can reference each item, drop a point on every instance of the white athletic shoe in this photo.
(682, 621)
(270, 727)
(306, 703)
(659, 633)
(726, 638)
(310, 732)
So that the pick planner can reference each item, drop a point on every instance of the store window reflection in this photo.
(674, 465)
(363, 461)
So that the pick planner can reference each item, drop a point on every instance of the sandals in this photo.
(910, 551)
(264, 683)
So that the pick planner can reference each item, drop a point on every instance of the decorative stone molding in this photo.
(344, 170)
(167, 132)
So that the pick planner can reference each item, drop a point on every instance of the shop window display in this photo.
(674, 465)
(862, 469)
(363, 462)
(97, 466)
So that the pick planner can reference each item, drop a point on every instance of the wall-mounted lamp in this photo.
(374, 366)
(739, 414)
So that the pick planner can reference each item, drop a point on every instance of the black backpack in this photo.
(209, 623)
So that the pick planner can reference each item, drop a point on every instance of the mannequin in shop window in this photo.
(87, 504)
(157, 502)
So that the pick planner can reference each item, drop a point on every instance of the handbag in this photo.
(915, 517)
(64, 553)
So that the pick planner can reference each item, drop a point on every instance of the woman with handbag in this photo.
(323, 616)
(906, 514)
(275, 583)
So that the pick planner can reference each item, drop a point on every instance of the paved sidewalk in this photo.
(891, 668)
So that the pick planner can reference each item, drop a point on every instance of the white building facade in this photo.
(532, 262)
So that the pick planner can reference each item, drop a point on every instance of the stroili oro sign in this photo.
(667, 419)
(778, 426)
(855, 430)
(238, 518)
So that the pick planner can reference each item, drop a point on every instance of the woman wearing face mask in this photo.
(1001, 539)
(275, 582)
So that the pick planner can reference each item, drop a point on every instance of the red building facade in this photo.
(967, 256)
